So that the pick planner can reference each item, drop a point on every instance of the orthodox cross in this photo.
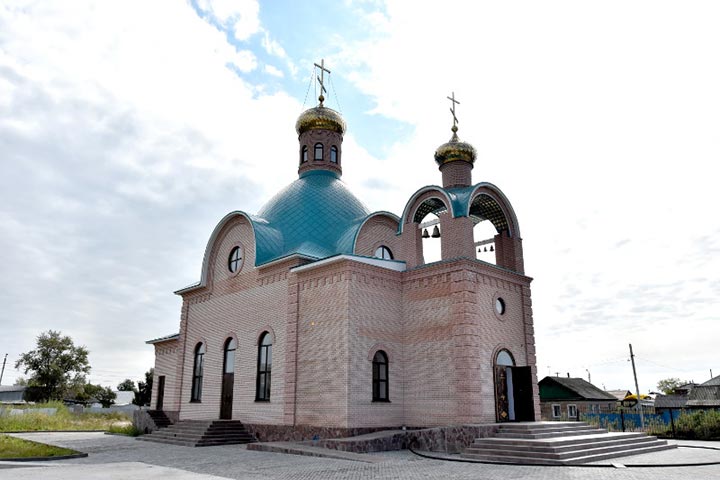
(452, 110)
(321, 79)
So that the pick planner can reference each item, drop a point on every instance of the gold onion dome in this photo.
(455, 150)
(320, 118)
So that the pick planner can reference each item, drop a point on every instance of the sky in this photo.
(129, 129)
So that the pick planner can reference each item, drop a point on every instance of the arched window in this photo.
(264, 368)
(333, 154)
(380, 377)
(383, 252)
(318, 151)
(196, 393)
(504, 359)
(303, 154)
(229, 360)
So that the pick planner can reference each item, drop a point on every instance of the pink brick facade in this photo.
(438, 323)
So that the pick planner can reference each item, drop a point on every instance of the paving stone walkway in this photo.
(116, 457)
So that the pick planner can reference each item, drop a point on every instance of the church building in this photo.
(316, 313)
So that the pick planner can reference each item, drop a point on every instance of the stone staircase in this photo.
(158, 416)
(201, 433)
(558, 443)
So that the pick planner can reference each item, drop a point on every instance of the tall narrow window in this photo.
(264, 368)
(318, 151)
(229, 362)
(380, 377)
(196, 393)
(333, 154)
(303, 154)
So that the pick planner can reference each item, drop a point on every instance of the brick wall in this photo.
(166, 358)
(377, 231)
(242, 305)
(322, 347)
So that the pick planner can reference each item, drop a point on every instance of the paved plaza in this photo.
(118, 457)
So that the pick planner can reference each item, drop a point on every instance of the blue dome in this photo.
(316, 216)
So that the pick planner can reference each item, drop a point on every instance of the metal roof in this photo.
(581, 388)
(12, 388)
(712, 382)
(704, 396)
(174, 336)
(670, 401)
(315, 216)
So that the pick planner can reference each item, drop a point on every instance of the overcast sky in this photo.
(129, 129)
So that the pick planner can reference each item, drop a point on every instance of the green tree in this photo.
(126, 385)
(105, 396)
(54, 365)
(89, 393)
(668, 385)
(144, 391)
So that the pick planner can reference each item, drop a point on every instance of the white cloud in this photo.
(124, 138)
(274, 71)
(599, 127)
(241, 17)
(245, 61)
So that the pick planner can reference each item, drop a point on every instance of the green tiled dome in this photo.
(316, 215)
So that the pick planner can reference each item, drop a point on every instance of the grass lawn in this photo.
(11, 447)
(62, 420)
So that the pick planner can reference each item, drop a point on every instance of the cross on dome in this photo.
(452, 110)
(321, 80)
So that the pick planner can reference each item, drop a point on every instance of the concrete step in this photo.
(201, 433)
(551, 434)
(564, 443)
(547, 447)
(558, 442)
(570, 461)
(588, 450)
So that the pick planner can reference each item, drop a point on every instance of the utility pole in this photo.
(637, 389)
(2, 372)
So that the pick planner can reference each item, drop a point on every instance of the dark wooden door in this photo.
(523, 394)
(160, 392)
(227, 396)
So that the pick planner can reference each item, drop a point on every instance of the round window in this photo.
(499, 306)
(235, 259)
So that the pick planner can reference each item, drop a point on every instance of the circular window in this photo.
(383, 252)
(235, 259)
(499, 306)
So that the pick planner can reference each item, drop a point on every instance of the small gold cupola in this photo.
(455, 158)
(320, 133)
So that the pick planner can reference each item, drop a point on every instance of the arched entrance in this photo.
(513, 390)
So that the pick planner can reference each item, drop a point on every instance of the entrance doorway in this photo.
(513, 390)
(228, 379)
(160, 392)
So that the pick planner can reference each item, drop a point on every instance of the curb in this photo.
(44, 459)
(50, 431)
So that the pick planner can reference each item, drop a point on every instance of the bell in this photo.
(425, 234)
(436, 232)
(479, 249)
(485, 249)
(492, 249)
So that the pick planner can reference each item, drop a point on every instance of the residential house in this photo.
(567, 398)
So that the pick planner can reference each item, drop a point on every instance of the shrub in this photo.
(124, 430)
(700, 425)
